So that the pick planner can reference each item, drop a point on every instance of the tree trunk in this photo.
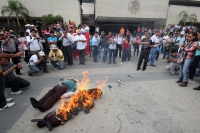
(18, 23)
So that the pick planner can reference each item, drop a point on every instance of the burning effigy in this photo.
(82, 100)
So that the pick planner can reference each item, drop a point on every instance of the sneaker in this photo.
(122, 63)
(15, 93)
(9, 99)
(20, 91)
(55, 68)
(109, 62)
(172, 73)
(114, 62)
(30, 74)
(8, 105)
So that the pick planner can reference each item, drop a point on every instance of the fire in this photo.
(82, 100)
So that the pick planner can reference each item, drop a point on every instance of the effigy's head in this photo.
(70, 83)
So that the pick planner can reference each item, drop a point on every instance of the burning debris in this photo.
(83, 100)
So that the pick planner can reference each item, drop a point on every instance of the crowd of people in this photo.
(59, 44)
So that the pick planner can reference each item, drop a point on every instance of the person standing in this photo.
(5, 103)
(52, 40)
(24, 44)
(119, 45)
(10, 46)
(95, 44)
(168, 46)
(34, 42)
(165, 36)
(67, 47)
(188, 55)
(156, 41)
(146, 45)
(80, 41)
(125, 45)
(91, 44)
(136, 45)
(195, 62)
(104, 46)
(112, 49)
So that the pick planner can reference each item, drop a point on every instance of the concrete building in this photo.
(113, 14)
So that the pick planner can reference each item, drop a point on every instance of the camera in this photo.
(12, 36)
(38, 37)
(17, 67)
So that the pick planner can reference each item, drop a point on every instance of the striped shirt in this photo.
(189, 50)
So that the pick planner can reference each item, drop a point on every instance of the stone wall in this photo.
(120, 8)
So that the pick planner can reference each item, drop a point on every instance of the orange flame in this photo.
(82, 100)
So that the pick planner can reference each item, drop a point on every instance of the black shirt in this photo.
(146, 46)
(11, 74)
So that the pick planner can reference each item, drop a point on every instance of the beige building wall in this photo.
(174, 10)
(88, 8)
(68, 9)
(119, 8)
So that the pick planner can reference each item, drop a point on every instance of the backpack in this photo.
(27, 58)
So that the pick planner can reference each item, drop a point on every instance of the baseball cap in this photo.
(183, 32)
(78, 31)
(41, 53)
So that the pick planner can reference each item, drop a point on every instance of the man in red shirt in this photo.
(138, 30)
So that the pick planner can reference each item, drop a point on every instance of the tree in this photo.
(188, 18)
(50, 18)
(15, 8)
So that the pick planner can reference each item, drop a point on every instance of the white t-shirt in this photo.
(29, 31)
(87, 28)
(80, 45)
(34, 44)
(33, 59)
(113, 44)
(97, 29)
(165, 38)
(119, 40)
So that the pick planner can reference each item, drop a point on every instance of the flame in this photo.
(82, 100)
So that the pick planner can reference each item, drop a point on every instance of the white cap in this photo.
(41, 53)
(182, 32)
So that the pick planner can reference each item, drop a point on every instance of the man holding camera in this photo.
(10, 46)
(10, 79)
(146, 45)
(173, 67)
(34, 42)
(95, 44)
(56, 58)
(36, 62)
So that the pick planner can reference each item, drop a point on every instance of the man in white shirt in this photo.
(34, 42)
(29, 27)
(156, 41)
(80, 41)
(165, 37)
(97, 29)
(67, 46)
(119, 45)
(87, 28)
(36, 62)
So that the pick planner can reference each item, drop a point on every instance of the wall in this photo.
(68, 9)
(174, 10)
(119, 8)
(88, 8)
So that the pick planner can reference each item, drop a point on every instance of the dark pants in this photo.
(68, 54)
(26, 52)
(136, 49)
(144, 55)
(193, 66)
(124, 55)
(119, 48)
(52, 96)
(112, 53)
(95, 52)
(16, 83)
(90, 51)
(2, 96)
(74, 50)
(46, 45)
(81, 56)
(15, 61)
(166, 52)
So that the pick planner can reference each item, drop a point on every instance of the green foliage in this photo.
(188, 18)
(15, 8)
(50, 19)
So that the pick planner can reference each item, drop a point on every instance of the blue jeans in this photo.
(166, 52)
(152, 55)
(112, 55)
(124, 55)
(2, 96)
(183, 69)
(58, 64)
(129, 53)
(105, 53)
(74, 50)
